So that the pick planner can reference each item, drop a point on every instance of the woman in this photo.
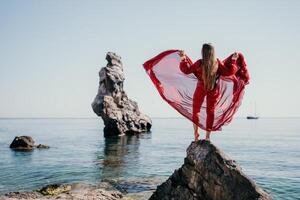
(207, 71)
(208, 92)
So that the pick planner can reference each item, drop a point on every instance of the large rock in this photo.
(120, 114)
(22, 143)
(208, 174)
(25, 143)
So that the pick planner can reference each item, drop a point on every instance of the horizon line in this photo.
(1, 118)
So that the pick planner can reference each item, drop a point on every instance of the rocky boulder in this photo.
(25, 143)
(120, 114)
(22, 143)
(208, 174)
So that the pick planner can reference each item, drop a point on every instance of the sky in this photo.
(51, 51)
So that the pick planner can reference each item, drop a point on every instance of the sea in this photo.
(267, 149)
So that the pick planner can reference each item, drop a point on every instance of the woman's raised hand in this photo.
(181, 54)
(235, 56)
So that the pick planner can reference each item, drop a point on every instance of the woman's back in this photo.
(227, 69)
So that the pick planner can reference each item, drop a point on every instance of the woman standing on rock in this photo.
(208, 92)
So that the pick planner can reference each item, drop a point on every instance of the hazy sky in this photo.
(51, 51)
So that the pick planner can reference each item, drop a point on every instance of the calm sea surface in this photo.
(267, 149)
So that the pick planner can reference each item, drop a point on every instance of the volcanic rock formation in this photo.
(120, 114)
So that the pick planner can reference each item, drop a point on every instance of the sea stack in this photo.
(120, 114)
(208, 174)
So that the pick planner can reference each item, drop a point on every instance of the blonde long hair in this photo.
(209, 66)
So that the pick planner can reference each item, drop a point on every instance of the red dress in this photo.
(180, 84)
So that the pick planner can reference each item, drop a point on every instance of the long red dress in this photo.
(180, 84)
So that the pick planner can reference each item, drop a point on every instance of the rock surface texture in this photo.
(22, 143)
(208, 174)
(120, 114)
(66, 192)
(112, 190)
(25, 143)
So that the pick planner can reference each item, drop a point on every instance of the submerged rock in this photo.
(208, 174)
(25, 143)
(120, 114)
(22, 143)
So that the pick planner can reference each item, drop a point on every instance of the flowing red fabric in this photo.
(185, 92)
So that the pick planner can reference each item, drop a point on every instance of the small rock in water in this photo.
(42, 146)
(208, 174)
(133, 186)
(22, 143)
(120, 114)
(55, 189)
(25, 143)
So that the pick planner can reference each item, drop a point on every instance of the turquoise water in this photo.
(268, 150)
